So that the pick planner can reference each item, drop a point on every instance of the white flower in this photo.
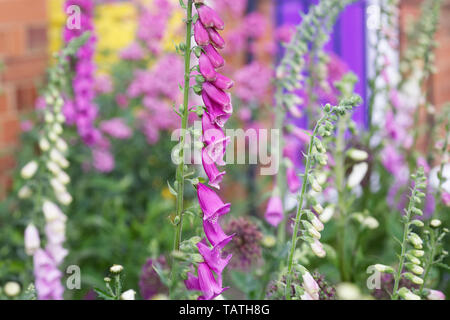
(12, 289)
(32, 240)
(318, 225)
(357, 175)
(314, 233)
(48, 117)
(52, 136)
(116, 268)
(327, 214)
(316, 186)
(435, 295)
(57, 128)
(321, 178)
(370, 222)
(60, 118)
(53, 167)
(57, 185)
(307, 296)
(63, 163)
(24, 192)
(357, 155)
(63, 177)
(61, 145)
(310, 285)
(44, 144)
(52, 211)
(29, 170)
(435, 223)
(64, 198)
(128, 295)
(317, 248)
(348, 291)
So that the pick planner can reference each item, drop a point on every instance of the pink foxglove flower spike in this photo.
(218, 110)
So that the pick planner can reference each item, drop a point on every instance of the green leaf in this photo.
(172, 190)
(104, 295)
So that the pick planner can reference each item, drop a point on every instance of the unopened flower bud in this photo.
(413, 259)
(383, 268)
(116, 268)
(415, 240)
(415, 279)
(318, 208)
(370, 222)
(269, 241)
(406, 294)
(315, 185)
(417, 223)
(414, 268)
(417, 253)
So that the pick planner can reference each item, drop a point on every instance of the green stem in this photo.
(300, 212)
(429, 261)
(339, 172)
(184, 121)
(398, 275)
(280, 115)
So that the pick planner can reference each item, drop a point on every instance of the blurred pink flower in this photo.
(133, 52)
(103, 84)
(116, 128)
(255, 25)
(253, 82)
(284, 33)
(103, 160)
(26, 125)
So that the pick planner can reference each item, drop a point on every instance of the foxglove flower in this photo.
(218, 111)
(214, 175)
(274, 211)
(32, 240)
(292, 179)
(210, 203)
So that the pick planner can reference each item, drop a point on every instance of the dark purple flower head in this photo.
(387, 286)
(149, 282)
(246, 243)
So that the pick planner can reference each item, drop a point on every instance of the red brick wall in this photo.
(23, 54)
(439, 83)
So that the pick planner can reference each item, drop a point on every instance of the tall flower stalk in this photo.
(211, 86)
(184, 113)
(314, 30)
(316, 155)
(47, 179)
